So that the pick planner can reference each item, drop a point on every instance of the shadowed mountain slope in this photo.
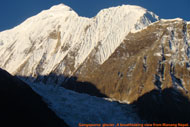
(21, 106)
(167, 106)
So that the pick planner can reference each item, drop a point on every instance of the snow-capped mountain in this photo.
(59, 40)
(122, 53)
(117, 48)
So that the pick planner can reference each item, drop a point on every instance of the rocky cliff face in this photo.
(156, 57)
(121, 51)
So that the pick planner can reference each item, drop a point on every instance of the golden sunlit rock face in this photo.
(154, 58)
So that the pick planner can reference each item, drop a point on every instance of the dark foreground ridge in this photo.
(168, 106)
(20, 106)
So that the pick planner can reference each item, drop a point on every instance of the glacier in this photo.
(75, 108)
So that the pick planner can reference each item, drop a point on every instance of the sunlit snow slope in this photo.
(59, 41)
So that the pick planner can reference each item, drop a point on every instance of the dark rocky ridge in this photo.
(167, 106)
(22, 107)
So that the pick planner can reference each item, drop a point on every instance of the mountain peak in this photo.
(124, 9)
(61, 7)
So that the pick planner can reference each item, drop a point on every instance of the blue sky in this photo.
(13, 12)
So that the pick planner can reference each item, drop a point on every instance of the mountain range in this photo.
(123, 54)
